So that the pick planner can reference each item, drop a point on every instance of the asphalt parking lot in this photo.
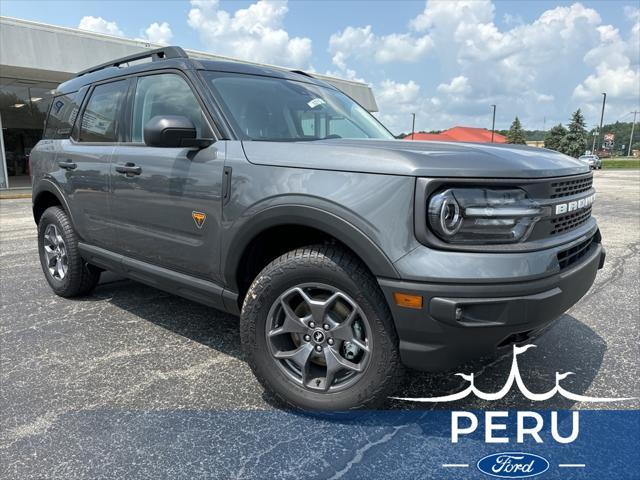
(85, 381)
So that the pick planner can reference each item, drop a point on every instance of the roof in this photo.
(460, 134)
(110, 70)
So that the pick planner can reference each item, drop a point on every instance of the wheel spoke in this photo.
(299, 356)
(51, 237)
(335, 362)
(318, 308)
(49, 254)
(358, 343)
(60, 269)
(291, 324)
(343, 330)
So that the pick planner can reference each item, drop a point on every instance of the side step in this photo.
(187, 286)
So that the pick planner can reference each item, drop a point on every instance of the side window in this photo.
(62, 115)
(100, 118)
(162, 95)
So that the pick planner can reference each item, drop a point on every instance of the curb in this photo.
(15, 196)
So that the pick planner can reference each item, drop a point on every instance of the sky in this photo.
(446, 61)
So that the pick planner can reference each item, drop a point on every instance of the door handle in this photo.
(67, 164)
(129, 169)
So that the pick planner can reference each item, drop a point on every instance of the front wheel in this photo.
(318, 333)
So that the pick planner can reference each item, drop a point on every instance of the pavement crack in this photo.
(360, 452)
(617, 269)
(38, 427)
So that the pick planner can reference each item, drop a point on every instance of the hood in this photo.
(421, 159)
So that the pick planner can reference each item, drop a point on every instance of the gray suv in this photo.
(348, 255)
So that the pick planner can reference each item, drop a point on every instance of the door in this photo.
(86, 159)
(166, 202)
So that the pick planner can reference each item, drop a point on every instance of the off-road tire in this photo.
(336, 267)
(80, 278)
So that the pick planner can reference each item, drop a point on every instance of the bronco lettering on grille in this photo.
(574, 205)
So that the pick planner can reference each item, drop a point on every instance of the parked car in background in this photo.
(593, 161)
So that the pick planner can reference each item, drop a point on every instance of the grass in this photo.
(621, 162)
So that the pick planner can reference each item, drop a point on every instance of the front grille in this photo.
(556, 191)
(570, 256)
(570, 187)
(567, 222)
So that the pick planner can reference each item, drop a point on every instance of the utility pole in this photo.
(631, 137)
(493, 123)
(413, 125)
(604, 100)
(595, 135)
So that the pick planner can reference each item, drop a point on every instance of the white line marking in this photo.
(571, 465)
(455, 465)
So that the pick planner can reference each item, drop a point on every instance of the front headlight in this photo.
(482, 215)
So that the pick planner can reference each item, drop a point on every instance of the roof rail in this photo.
(156, 54)
(302, 72)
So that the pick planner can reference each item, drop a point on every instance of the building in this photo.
(36, 57)
(460, 134)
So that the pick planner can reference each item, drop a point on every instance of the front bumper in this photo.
(460, 322)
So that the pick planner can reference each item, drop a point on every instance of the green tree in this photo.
(516, 133)
(553, 138)
(574, 142)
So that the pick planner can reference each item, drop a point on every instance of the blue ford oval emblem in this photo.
(513, 465)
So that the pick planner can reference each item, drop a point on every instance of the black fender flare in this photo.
(48, 186)
(234, 248)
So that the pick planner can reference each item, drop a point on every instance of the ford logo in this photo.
(513, 465)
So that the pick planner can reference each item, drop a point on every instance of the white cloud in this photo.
(254, 33)
(402, 94)
(362, 43)
(615, 64)
(396, 102)
(545, 68)
(159, 33)
(447, 15)
(100, 25)
(155, 33)
(458, 85)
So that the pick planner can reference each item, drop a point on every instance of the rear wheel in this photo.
(65, 270)
(318, 332)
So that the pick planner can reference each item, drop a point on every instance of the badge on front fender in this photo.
(199, 218)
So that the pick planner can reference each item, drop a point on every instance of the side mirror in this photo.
(173, 131)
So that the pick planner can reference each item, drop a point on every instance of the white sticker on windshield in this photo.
(315, 102)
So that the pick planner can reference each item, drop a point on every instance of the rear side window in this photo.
(62, 115)
(100, 117)
(163, 95)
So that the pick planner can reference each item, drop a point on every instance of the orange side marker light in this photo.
(408, 301)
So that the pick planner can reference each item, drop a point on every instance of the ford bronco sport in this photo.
(271, 195)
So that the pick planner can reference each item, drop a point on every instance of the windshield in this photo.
(275, 109)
